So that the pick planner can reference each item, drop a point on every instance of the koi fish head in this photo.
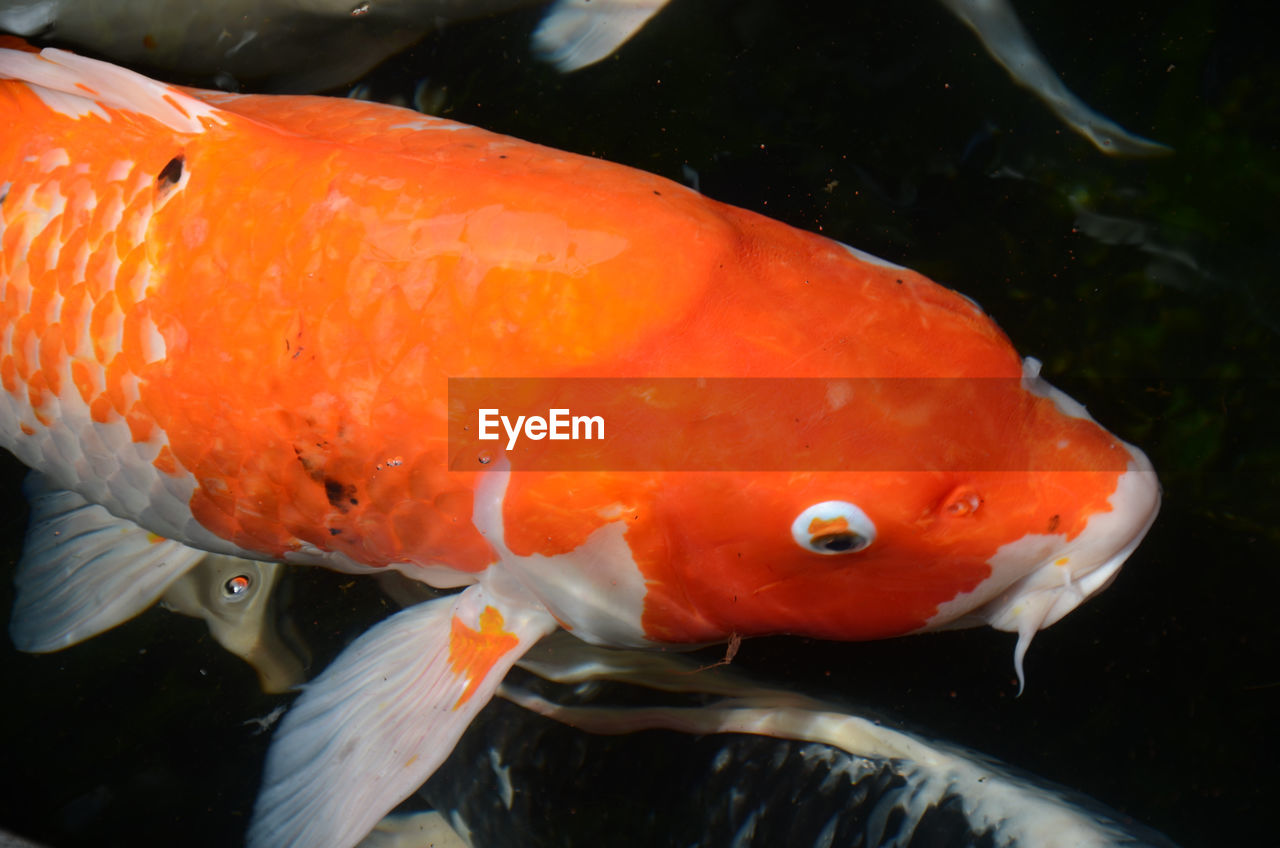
(868, 554)
(934, 504)
(884, 464)
(957, 533)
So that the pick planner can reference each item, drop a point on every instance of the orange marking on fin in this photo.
(84, 87)
(822, 526)
(154, 539)
(175, 104)
(27, 430)
(473, 652)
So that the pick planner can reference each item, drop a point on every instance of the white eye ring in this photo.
(832, 528)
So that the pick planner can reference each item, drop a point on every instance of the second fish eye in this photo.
(237, 588)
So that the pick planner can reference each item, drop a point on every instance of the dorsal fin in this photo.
(75, 85)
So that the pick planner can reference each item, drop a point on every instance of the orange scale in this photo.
(9, 374)
(99, 274)
(105, 326)
(41, 295)
(74, 248)
(74, 316)
(417, 527)
(36, 387)
(388, 486)
(116, 373)
(378, 541)
(38, 251)
(166, 462)
(429, 475)
(259, 533)
(100, 409)
(142, 427)
(129, 276)
(70, 224)
(261, 488)
(24, 346)
(304, 509)
(52, 357)
(104, 217)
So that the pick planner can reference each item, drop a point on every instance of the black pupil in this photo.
(846, 541)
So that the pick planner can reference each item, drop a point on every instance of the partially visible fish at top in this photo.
(273, 44)
(228, 325)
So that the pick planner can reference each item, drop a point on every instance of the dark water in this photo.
(887, 127)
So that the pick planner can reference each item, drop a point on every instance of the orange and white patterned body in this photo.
(230, 321)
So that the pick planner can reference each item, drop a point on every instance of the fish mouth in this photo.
(1065, 573)
(1084, 567)
(1073, 573)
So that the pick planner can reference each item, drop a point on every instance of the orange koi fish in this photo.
(229, 325)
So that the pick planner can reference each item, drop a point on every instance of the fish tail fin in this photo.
(77, 85)
(386, 713)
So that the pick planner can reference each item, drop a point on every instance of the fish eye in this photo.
(833, 527)
(237, 588)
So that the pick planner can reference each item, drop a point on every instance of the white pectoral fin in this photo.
(577, 33)
(1002, 34)
(83, 570)
(385, 714)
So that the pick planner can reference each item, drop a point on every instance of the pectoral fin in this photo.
(374, 726)
(83, 570)
(577, 33)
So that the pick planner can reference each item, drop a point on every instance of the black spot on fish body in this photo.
(338, 494)
(334, 531)
(1053, 523)
(170, 173)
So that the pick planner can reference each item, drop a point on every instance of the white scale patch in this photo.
(596, 589)
(870, 259)
(100, 461)
(427, 122)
